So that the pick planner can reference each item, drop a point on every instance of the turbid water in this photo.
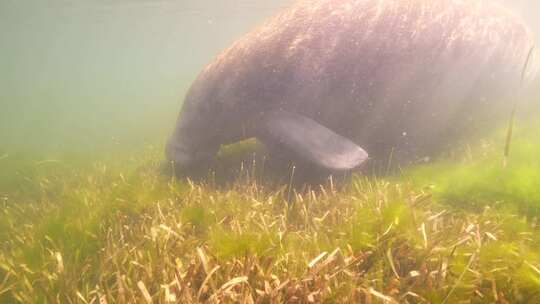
(76, 76)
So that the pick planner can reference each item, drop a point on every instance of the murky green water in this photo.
(78, 75)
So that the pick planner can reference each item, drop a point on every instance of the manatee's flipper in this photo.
(310, 141)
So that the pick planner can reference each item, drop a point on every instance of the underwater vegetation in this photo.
(461, 230)
(481, 178)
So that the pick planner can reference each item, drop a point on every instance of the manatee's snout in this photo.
(181, 155)
(184, 159)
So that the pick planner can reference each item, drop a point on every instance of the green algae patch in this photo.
(485, 178)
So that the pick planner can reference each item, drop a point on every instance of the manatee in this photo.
(327, 82)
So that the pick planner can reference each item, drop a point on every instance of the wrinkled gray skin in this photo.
(398, 77)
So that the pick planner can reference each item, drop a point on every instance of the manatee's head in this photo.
(181, 154)
(195, 139)
(185, 156)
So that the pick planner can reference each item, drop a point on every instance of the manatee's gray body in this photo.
(399, 77)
